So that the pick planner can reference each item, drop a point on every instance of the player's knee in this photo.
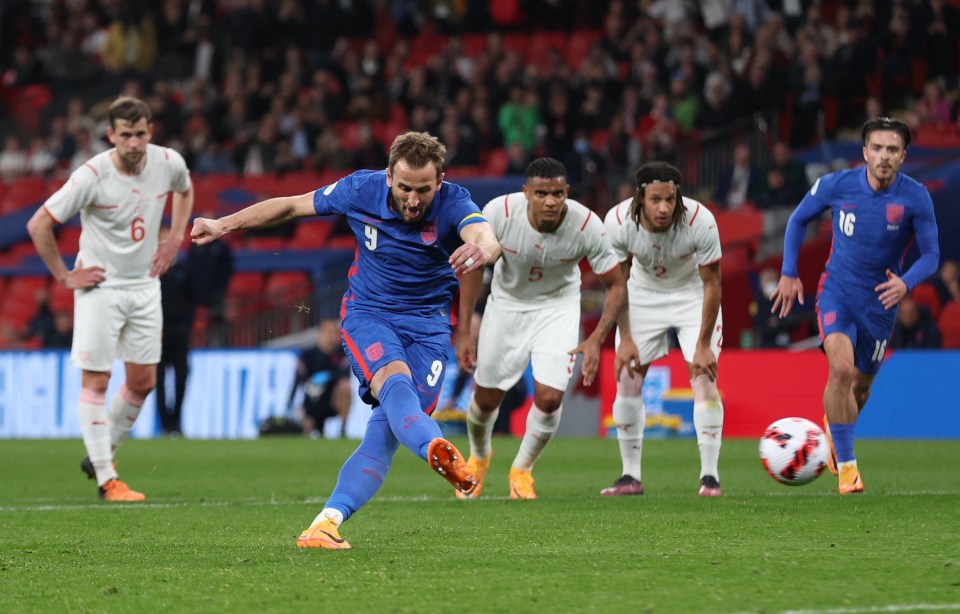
(860, 395)
(487, 399)
(96, 382)
(548, 401)
(629, 384)
(704, 389)
(842, 370)
(142, 385)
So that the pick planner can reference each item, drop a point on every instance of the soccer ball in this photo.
(794, 451)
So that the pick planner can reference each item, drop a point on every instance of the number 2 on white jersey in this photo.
(847, 220)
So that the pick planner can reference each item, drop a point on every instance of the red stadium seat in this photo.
(949, 323)
(245, 284)
(24, 288)
(542, 43)
(311, 234)
(266, 244)
(22, 193)
(579, 44)
(497, 162)
(61, 298)
(68, 239)
(926, 295)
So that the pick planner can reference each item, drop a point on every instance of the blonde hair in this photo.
(418, 149)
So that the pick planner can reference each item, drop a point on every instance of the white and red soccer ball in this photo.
(794, 451)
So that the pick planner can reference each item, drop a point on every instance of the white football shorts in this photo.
(509, 340)
(117, 322)
(653, 314)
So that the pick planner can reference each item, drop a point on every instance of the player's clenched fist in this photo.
(205, 230)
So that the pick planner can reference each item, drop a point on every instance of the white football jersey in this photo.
(120, 214)
(665, 261)
(537, 268)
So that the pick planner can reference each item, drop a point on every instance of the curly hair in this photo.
(657, 172)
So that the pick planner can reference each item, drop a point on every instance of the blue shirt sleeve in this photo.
(336, 197)
(925, 229)
(813, 204)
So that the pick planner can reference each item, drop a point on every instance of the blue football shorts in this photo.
(372, 341)
(862, 319)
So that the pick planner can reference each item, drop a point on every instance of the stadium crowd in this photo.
(255, 87)
(269, 86)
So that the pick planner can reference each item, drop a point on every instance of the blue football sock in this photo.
(362, 475)
(413, 428)
(842, 441)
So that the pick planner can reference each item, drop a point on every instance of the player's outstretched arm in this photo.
(480, 247)
(614, 304)
(40, 228)
(265, 213)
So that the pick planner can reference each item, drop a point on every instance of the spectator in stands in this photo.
(41, 325)
(717, 109)
(769, 331)
(914, 328)
(86, 147)
(369, 151)
(517, 158)
(519, 116)
(329, 154)
(794, 171)
(210, 268)
(933, 108)
(741, 183)
(13, 160)
(179, 307)
(778, 193)
(940, 23)
(40, 160)
(323, 379)
(947, 282)
(62, 335)
(131, 45)
(658, 131)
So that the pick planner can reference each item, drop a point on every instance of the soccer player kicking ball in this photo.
(877, 212)
(669, 248)
(120, 195)
(415, 234)
(533, 314)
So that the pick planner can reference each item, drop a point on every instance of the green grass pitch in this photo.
(218, 533)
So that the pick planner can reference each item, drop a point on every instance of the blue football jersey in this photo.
(871, 230)
(399, 267)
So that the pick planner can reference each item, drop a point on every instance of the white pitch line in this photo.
(48, 505)
(904, 607)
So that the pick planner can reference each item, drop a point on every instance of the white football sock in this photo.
(328, 513)
(631, 418)
(124, 409)
(540, 429)
(708, 422)
(96, 435)
(480, 429)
